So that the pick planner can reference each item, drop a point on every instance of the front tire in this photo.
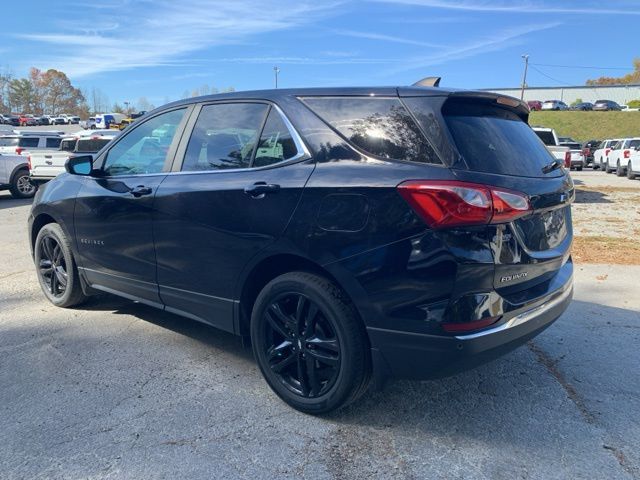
(21, 186)
(630, 174)
(619, 170)
(56, 267)
(310, 345)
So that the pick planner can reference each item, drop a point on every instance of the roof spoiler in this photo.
(428, 82)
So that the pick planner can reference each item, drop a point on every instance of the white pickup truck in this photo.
(550, 139)
(14, 176)
(44, 166)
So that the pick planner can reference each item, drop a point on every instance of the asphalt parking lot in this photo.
(119, 390)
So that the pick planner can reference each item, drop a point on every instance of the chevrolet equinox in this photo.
(349, 233)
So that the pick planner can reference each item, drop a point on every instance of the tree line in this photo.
(628, 79)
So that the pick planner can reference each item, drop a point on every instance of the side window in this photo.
(53, 142)
(276, 143)
(379, 126)
(224, 136)
(144, 149)
(29, 142)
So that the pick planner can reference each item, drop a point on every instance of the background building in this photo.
(618, 93)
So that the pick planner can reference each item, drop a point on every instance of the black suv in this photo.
(348, 233)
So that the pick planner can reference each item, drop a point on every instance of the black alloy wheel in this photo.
(52, 266)
(301, 345)
(309, 342)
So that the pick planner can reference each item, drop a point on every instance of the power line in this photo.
(581, 66)
(548, 76)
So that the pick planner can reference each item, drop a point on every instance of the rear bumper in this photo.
(420, 356)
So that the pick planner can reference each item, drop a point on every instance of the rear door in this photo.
(242, 173)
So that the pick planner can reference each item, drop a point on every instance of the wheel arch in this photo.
(275, 265)
(16, 169)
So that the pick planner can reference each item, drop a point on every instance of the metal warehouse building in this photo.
(618, 93)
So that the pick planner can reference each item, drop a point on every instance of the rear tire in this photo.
(56, 267)
(579, 169)
(21, 186)
(630, 174)
(310, 344)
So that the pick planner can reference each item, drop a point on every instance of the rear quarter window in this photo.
(379, 126)
(29, 142)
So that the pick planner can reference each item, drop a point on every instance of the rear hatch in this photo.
(493, 145)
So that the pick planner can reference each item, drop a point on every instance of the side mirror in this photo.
(80, 165)
(638, 148)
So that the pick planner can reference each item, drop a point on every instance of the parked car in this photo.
(583, 106)
(627, 108)
(13, 120)
(633, 166)
(14, 176)
(551, 141)
(605, 105)
(17, 143)
(576, 160)
(554, 105)
(27, 120)
(588, 149)
(59, 120)
(88, 124)
(324, 225)
(601, 155)
(109, 120)
(44, 120)
(4, 119)
(619, 156)
(73, 120)
(534, 105)
(45, 165)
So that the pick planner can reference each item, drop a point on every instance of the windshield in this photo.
(495, 140)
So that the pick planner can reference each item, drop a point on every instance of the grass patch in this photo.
(600, 249)
(585, 126)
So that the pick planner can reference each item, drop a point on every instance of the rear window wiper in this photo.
(550, 167)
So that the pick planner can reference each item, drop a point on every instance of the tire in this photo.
(619, 170)
(606, 167)
(310, 344)
(21, 186)
(579, 169)
(56, 268)
(630, 174)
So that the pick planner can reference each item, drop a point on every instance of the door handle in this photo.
(260, 189)
(140, 190)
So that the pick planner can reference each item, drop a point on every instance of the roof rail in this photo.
(428, 82)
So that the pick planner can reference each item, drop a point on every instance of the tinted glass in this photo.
(546, 137)
(9, 142)
(572, 146)
(68, 145)
(29, 142)
(379, 126)
(634, 143)
(224, 136)
(91, 145)
(53, 142)
(496, 140)
(144, 149)
(276, 143)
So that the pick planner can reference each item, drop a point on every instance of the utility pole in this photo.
(276, 71)
(524, 76)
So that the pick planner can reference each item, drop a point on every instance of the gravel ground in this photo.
(119, 390)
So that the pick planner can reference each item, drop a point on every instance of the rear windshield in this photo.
(91, 145)
(377, 125)
(9, 142)
(546, 137)
(572, 146)
(68, 145)
(496, 140)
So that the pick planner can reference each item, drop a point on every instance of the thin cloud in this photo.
(159, 35)
(496, 42)
(385, 38)
(522, 7)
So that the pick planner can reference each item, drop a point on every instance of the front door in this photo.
(113, 213)
(239, 183)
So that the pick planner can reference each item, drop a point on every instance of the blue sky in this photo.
(160, 48)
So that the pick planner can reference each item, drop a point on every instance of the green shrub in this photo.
(634, 104)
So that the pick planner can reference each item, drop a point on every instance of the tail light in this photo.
(19, 150)
(606, 151)
(567, 159)
(626, 153)
(443, 204)
(29, 161)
